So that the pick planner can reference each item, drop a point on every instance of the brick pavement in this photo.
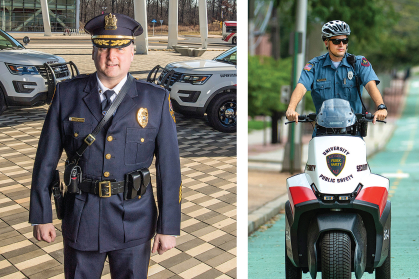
(206, 247)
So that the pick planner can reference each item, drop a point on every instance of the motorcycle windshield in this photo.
(336, 113)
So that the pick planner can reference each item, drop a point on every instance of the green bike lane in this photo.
(399, 161)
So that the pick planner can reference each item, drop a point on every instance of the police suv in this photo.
(204, 86)
(27, 77)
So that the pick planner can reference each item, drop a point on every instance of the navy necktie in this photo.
(107, 103)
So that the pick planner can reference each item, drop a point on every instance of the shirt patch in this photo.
(172, 112)
(308, 67)
(365, 62)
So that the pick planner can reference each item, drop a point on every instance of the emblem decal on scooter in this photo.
(336, 163)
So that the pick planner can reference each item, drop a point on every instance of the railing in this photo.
(74, 32)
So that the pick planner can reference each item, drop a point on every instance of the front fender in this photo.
(338, 221)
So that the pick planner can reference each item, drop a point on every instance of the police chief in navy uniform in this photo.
(332, 76)
(94, 227)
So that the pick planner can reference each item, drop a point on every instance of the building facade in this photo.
(26, 15)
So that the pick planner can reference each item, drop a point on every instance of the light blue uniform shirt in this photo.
(326, 82)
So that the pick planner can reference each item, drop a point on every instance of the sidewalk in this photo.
(267, 191)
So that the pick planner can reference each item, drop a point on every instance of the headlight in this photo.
(195, 79)
(22, 69)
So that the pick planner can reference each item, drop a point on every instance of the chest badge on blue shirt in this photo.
(142, 117)
(350, 75)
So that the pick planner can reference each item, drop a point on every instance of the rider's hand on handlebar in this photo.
(380, 115)
(292, 115)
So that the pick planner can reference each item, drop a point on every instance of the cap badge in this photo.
(110, 22)
(142, 117)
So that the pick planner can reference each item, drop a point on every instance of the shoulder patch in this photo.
(308, 67)
(365, 62)
(172, 112)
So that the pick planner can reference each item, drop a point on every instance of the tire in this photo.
(291, 271)
(234, 41)
(3, 105)
(384, 271)
(336, 255)
(222, 113)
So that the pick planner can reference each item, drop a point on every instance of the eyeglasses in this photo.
(338, 41)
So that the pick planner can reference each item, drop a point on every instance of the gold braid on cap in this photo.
(100, 42)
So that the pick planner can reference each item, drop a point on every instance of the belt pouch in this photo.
(72, 178)
(145, 175)
(132, 185)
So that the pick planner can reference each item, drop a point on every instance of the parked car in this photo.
(28, 77)
(203, 86)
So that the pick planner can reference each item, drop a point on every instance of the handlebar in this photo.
(361, 117)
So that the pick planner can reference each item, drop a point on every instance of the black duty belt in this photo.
(102, 188)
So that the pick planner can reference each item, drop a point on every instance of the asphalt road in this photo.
(399, 162)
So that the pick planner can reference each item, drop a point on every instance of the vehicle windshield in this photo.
(336, 113)
(229, 56)
(8, 42)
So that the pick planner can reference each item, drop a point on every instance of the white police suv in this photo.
(27, 77)
(204, 86)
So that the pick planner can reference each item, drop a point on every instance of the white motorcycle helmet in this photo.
(335, 28)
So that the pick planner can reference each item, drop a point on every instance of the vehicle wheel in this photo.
(234, 41)
(384, 271)
(336, 255)
(291, 271)
(3, 105)
(222, 113)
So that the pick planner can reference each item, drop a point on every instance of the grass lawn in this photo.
(257, 125)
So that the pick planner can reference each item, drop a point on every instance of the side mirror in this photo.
(26, 40)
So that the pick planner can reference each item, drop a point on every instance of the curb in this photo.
(262, 215)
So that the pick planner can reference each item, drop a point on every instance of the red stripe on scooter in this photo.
(375, 195)
(228, 37)
(300, 194)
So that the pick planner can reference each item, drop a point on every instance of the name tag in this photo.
(323, 79)
(76, 119)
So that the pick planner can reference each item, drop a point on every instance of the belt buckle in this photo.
(106, 184)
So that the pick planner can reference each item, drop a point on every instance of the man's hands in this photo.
(163, 243)
(380, 115)
(45, 232)
(292, 115)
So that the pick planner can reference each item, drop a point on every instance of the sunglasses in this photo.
(338, 41)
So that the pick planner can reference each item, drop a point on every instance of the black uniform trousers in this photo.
(128, 263)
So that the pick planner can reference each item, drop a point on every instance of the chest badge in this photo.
(336, 163)
(350, 75)
(142, 117)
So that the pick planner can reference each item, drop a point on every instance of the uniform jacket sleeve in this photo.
(46, 160)
(168, 175)
(307, 75)
(366, 71)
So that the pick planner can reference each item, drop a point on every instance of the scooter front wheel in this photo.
(291, 271)
(336, 255)
(384, 271)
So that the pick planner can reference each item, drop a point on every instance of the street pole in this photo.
(140, 14)
(203, 23)
(293, 149)
(3, 20)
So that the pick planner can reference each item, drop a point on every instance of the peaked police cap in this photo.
(113, 30)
